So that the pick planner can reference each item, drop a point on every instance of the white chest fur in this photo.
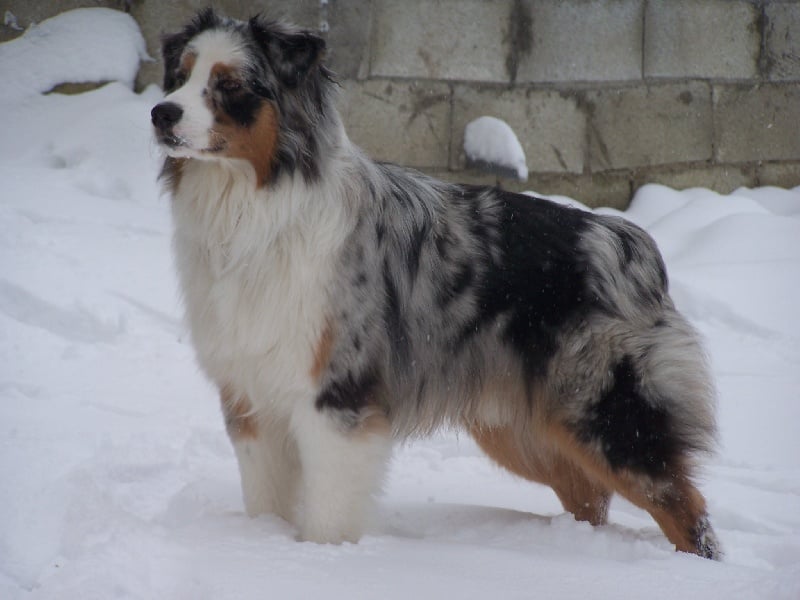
(255, 268)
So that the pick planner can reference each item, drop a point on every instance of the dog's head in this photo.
(253, 91)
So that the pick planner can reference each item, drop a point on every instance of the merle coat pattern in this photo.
(339, 303)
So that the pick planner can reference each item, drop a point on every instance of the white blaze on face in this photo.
(197, 122)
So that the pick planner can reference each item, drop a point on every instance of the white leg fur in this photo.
(341, 472)
(270, 471)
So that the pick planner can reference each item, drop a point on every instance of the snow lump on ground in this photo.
(86, 44)
(118, 480)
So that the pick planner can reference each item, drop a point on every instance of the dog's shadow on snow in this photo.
(514, 529)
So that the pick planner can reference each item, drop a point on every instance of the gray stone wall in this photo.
(605, 95)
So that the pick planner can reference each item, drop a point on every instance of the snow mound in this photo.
(491, 140)
(86, 44)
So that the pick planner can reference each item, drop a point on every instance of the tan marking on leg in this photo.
(675, 504)
(585, 499)
(240, 421)
(501, 446)
(322, 353)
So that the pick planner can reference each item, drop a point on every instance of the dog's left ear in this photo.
(291, 54)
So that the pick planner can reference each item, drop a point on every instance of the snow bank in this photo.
(492, 141)
(86, 44)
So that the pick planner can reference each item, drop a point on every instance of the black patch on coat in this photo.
(538, 281)
(242, 106)
(455, 285)
(349, 394)
(633, 433)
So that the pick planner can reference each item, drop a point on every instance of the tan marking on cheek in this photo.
(240, 421)
(222, 70)
(187, 63)
(258, 143)
(322, 353)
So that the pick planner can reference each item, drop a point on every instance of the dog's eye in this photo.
(229, 85)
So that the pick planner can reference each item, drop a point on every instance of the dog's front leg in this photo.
(267, 456)
(343, 462)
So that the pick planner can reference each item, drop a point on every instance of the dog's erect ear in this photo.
(291, 54)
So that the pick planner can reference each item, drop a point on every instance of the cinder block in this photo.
(446, 39)
(720, 178)
(702, 38)
(398, 121)
(550, 126)
(604, 189)
(650, 125)
(785, 174)
(349, 28)
(574, 40)
(601, 189)
(755, 123)
(782, 35)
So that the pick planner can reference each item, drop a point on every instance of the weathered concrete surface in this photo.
(604, 41)
(604, 189)
(442, 39)
(399, 121)
(782, 40)
(723, 178)
(785, 175)
(701, 38)
(752, 122)
(550, 126)
(657, 124)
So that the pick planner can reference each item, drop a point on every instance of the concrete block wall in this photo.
(605, 95)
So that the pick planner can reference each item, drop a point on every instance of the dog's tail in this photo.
(641, 434)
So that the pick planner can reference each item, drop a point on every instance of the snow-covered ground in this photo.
(117, 479)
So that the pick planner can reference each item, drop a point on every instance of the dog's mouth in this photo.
(170, 140)
(215, 149)
(176, 145)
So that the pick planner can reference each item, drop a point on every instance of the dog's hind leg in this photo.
(586, 499)
(639, 437)
(343, 464)
(671, 498)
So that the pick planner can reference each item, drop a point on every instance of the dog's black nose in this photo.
(165, 115)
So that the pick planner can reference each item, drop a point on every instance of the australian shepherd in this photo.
(339, 304)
